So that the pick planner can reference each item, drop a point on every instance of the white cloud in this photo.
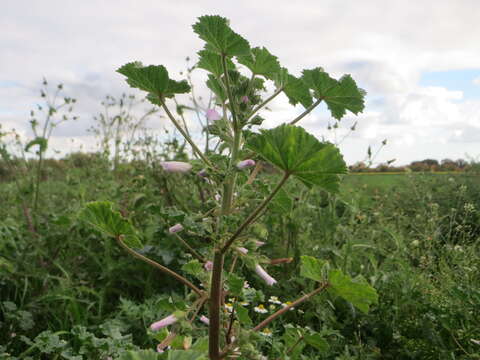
(384, 45)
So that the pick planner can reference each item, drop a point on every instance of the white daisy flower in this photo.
(274, 300)
(260, 309)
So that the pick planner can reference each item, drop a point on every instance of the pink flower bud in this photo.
(244, 99)
(213, 115)
(259, 243)
(208, 266)
(176, 166)
(175, 228)
(205, 320)
(242, 250)
(246, 164)
(169, 320)
(264, 275)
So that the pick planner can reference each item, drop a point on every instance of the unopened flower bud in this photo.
(169, 320)
(259, 243)
(242, 250)
(264, 275)
(246, 164)
(205, 320)
(176, 166)
(213, 115)
(202, 173)
(175, 228)
(244, 99)
(208, 266)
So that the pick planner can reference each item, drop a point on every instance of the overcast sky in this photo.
(419, 62)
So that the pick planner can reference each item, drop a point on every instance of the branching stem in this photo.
(158, 266)
(254, 214)
(288, 307)
(184, 134)
(306, 112)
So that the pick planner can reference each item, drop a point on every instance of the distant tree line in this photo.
(427, 165)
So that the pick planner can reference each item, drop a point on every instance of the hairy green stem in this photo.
(254, 214)
(306, 112)
(230, 95)
(192, 250)
(270, 98)
(184, 134)
(158, 266)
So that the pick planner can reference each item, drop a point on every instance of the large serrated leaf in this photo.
(340, 95)
(261, 62)
(216, 87)
(312, 268)
(101, 215)
(317, 341)
(219, 37)
(295, 89)
(212, 62)
(299, 153)
(153, 79)
(358, 292)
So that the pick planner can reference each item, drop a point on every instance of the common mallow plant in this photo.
(219, 292)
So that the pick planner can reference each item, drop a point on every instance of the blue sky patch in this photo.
(454, 80)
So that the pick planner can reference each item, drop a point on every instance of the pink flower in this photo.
(169, 320)
(205, 320)
(246, 164)
(244, 99)
(175, 228)
(264, 275)
(208, 266)
(242, 250)
(176, 166)
(259, 243)
(212, 115)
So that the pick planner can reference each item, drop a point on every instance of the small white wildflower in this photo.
(228, 307)
(274, 300)
(260, 309)
(266, 332)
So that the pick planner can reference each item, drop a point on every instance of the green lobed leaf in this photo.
(220, 38)
(299, 153)
(101, 215)
(193, 267)
(261, 62)
(291, 338)
(312, 268)
(235, 284)
(217, 88)
(358, 292)
(212, 62)
(153, 79)
(242, 315)
(295, 89)
(317, 341)
(340, 95)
